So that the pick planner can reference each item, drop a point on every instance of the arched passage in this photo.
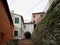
(27, 35)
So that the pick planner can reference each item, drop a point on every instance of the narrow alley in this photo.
(29, 22)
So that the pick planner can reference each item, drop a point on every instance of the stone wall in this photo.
(47, 31)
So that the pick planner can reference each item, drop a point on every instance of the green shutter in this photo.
(15, 33)
(16, 20)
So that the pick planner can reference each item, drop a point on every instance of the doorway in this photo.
(27, 35)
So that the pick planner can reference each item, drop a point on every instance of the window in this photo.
(34, 26)
(34, 16)
(41, 15)
(16, 20)
(34, 21)
(15, 33)
(24, 26)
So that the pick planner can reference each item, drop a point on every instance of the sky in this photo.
(27, 7)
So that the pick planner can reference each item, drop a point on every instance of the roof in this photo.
(39, 13)
(5, 4)
(22, 18)
(18, 15)
(15, 14)
(29, 23)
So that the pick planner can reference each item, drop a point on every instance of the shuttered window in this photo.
(16, 20)
(15, 33)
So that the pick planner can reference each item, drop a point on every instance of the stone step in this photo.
(25, 42)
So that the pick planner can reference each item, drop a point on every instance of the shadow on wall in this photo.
(27, 35)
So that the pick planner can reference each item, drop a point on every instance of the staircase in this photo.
(25, 42)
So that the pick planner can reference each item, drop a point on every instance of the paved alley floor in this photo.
(25, 42)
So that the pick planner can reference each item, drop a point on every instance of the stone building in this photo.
(28, 30)
(37, 17)
(18, 26)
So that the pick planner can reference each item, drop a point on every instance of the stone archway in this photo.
(27, 35)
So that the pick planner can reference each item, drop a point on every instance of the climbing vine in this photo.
(47, 31)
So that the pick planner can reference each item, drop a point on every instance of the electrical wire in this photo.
(12, 3)
(33, 7)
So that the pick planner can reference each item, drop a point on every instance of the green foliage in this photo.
(45, 30)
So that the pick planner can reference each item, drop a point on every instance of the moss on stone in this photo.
(45, 30)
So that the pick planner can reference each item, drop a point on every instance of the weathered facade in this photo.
(28, 29)
(20, 28)
(37, 17)
(6, 24)
(18, 25)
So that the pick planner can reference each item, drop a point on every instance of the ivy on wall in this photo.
(48, 29)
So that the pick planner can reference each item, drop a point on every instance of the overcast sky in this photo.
(27, 7)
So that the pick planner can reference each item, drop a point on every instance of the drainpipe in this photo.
(21, 32)
(21, 29)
